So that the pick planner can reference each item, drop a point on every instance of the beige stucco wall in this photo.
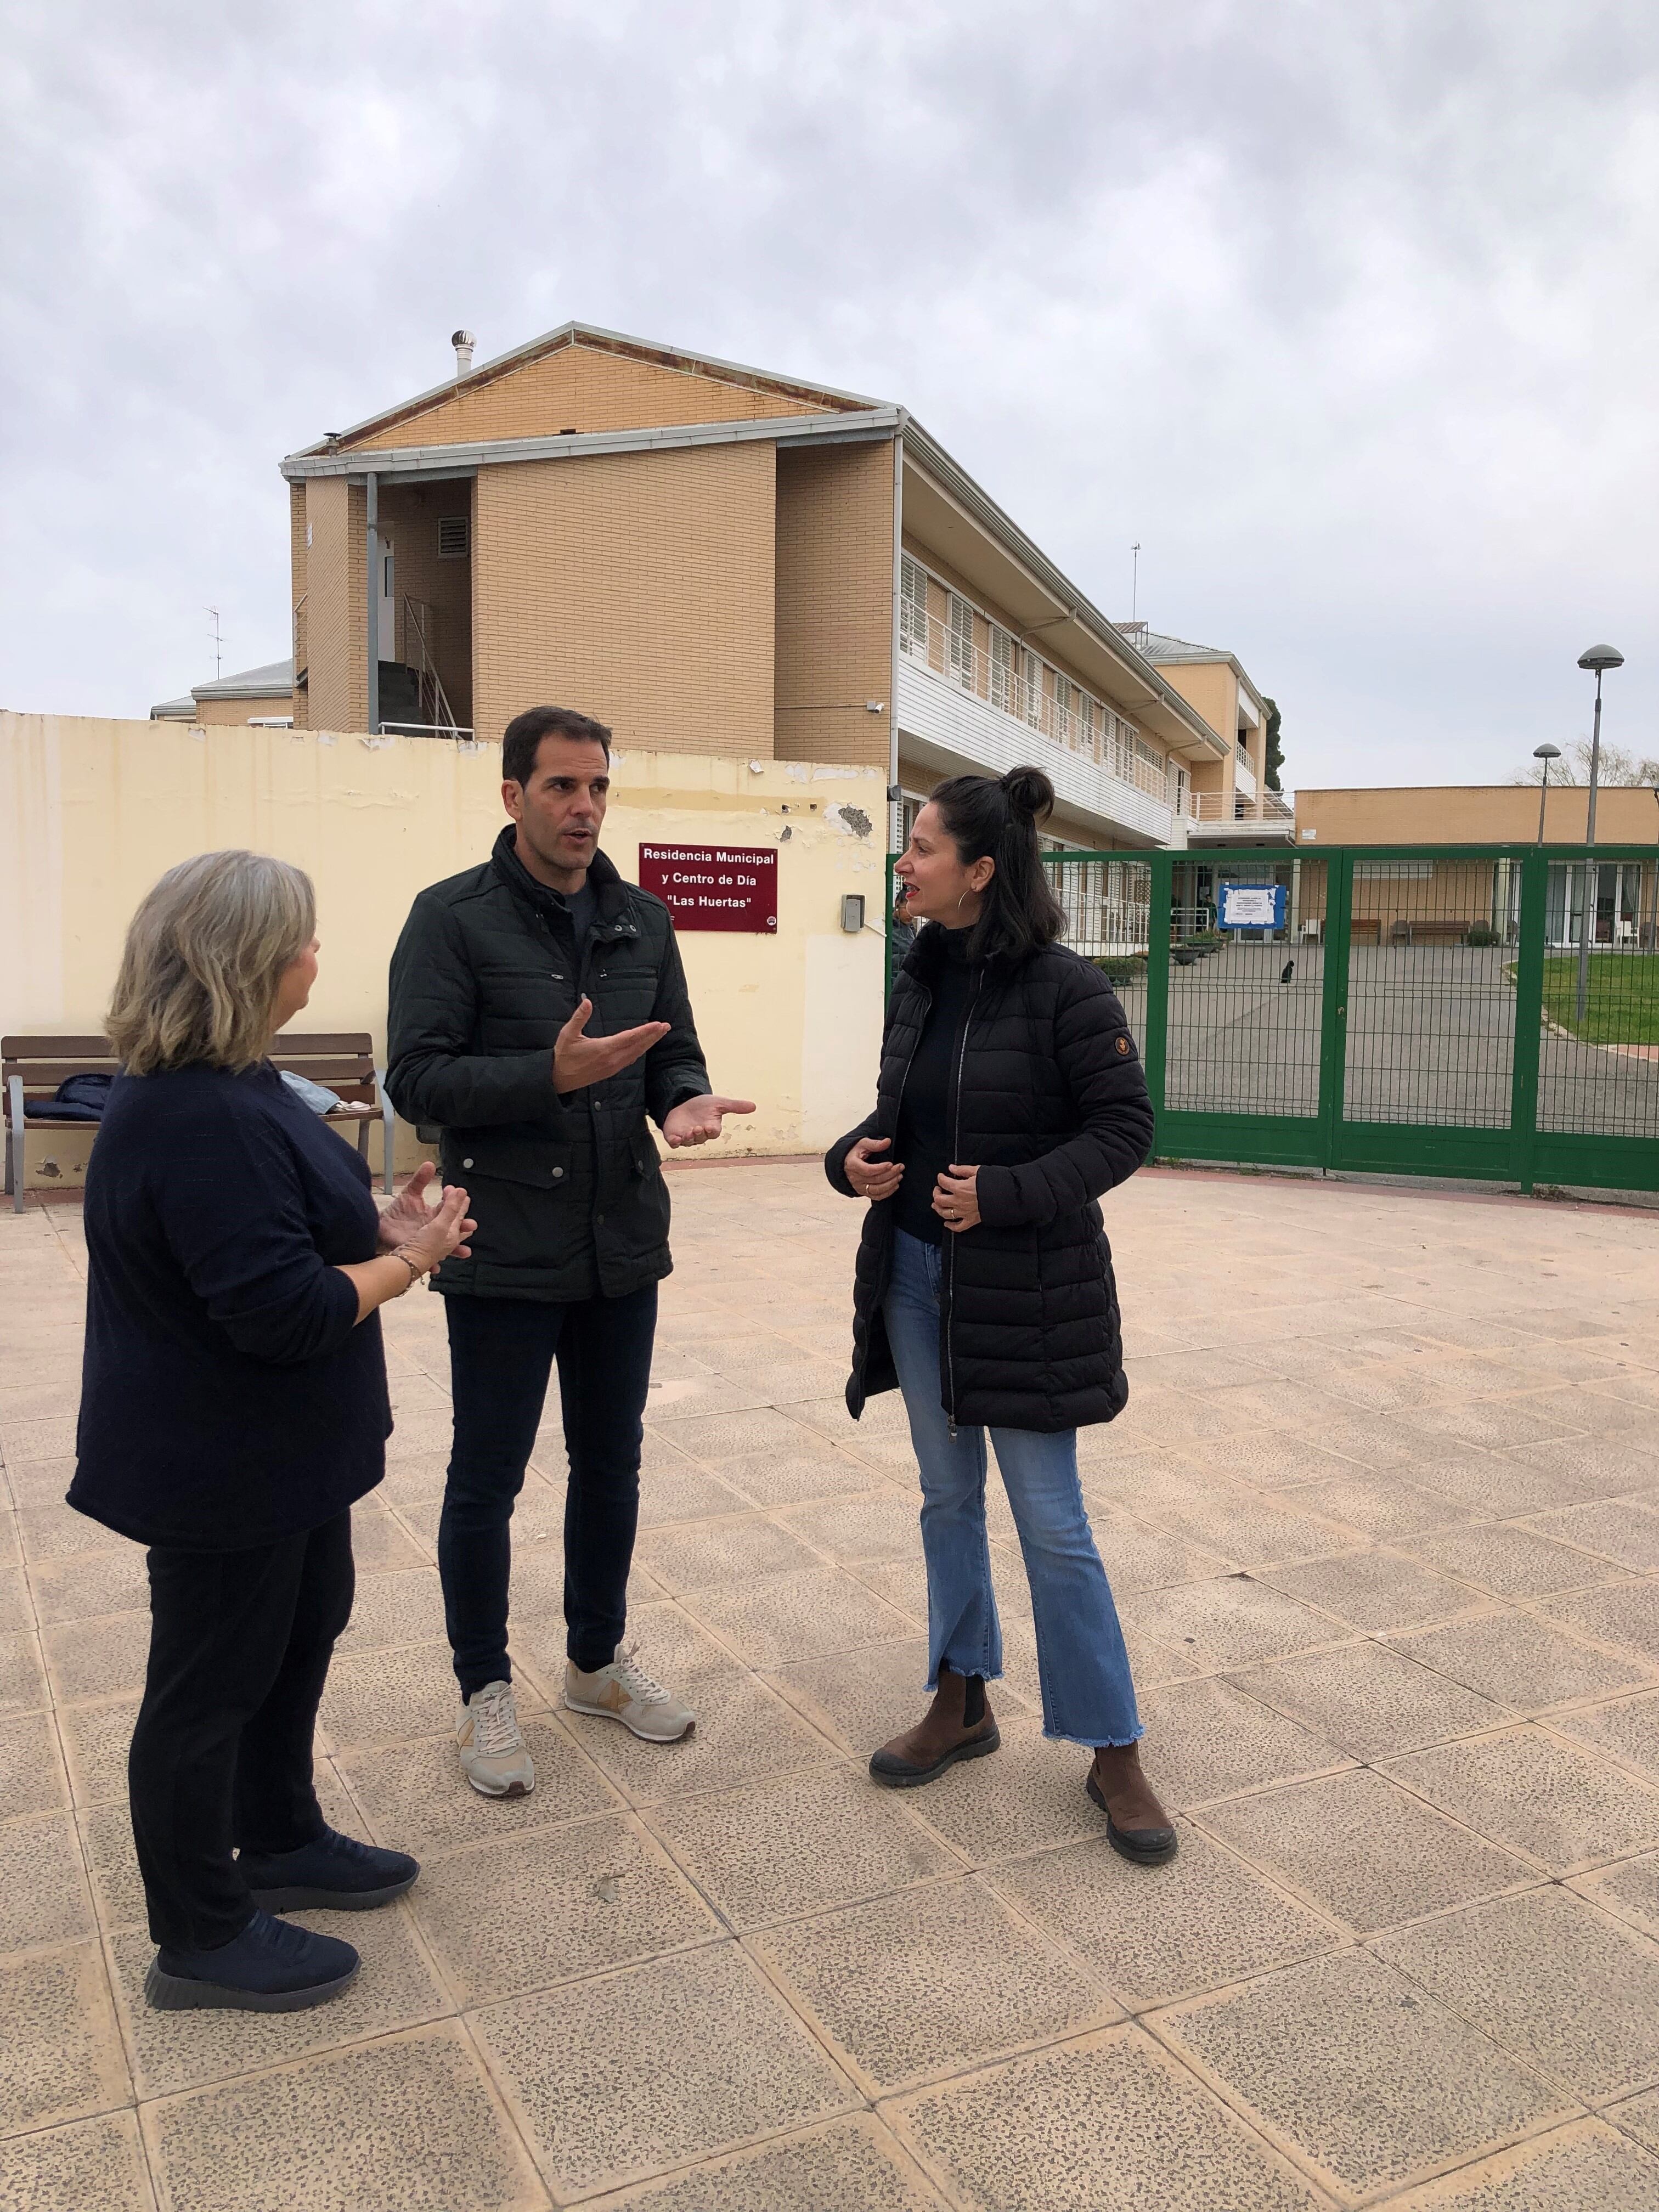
(1474, 814)
(637, 587)
(835, 603)
(92, 812)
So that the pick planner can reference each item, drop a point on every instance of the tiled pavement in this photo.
(1383, 1517)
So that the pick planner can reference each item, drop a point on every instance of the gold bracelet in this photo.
(414, 1273)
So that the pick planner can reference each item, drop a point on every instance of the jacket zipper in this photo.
(949, 1235)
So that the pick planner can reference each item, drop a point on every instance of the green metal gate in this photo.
(1422, 1010)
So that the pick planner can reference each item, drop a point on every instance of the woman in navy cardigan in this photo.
(234, 1404)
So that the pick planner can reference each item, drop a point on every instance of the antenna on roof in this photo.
(218, 644)
(1134, 580)
(463, 342)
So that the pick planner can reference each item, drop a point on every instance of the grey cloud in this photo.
(1346, 314)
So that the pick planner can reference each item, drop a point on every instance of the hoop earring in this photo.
(962, 900)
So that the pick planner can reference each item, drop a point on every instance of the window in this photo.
(962, 643)
(1004, 681)
(454, 538)
(913, 609)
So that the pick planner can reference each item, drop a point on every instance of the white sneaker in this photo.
(493, 1755)
(624, 1692)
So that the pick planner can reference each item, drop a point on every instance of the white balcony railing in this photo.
(1088, 727)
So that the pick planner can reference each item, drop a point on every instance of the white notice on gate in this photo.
(1250, 906)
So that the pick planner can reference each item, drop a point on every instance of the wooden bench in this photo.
(32, 1068)
(1440, 931)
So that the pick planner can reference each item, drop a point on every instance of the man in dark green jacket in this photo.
(538, 1015)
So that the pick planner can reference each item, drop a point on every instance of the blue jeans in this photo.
(1088, 1695)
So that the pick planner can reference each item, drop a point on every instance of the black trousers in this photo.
(501, 1356)
(239, 1644)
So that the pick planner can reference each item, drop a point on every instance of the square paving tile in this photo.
(915, 1987)
(1206, 1740)
(1584, 2168)
(1157, 1934)
(861, 1698)
(85, 1584)
(685, 1491)
(1623, 1613)
(1527, 1663)
(95, 1739)
(32, 1777)
(397, 1989)
(1494, 1486)
(1230, 1621)
(1374, 1590)
(868, 1528)
(1589, 1466)
(853, 2165)
(389, 1697)
(553, 1904)
(1029, 1793)
(720, 1555)
(1362, 1849)
(1563, 1807)
(1626, 1729)
(417, 1799)
(60, 2051)
(584, 2068)
(797, 1616)
(1511, 1561)
(22, 1678)
(1562, 1987)
(1366, 1699)
(100, 1658)
(1349, 2065)
(1383, 1508)
(1629, 1890)
(798, 1844)
(394, 1609)
(1625, 1534)
(403, 2124)
(1109, 2123)
(43, 1892)
(106, 1833)
(796, 1477)
(91, 2164)
(743, 1731)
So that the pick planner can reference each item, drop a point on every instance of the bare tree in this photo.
(1618, 767)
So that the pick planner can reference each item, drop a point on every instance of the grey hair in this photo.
(203, 959)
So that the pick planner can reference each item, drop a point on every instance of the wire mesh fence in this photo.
(1489, 1012)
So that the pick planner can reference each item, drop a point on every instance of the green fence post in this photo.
(1333, 1003)
(1155, 1032)
(1529, 1015)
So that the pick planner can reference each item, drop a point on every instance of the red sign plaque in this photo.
(714, 886)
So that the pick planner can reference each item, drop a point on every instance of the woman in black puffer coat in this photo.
(1011, 1096)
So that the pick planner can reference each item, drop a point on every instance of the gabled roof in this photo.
(795, 390)
(275, 680)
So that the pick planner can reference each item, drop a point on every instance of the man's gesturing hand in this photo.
(869, 1176)
(579, 1060)
(695, 1120)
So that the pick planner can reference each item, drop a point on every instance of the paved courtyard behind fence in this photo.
(1383, 1521)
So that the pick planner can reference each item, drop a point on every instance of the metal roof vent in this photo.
(463, 342)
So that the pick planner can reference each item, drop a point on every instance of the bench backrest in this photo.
(343, 1059)
(42, 1063)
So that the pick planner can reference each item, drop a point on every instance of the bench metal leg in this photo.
(16, 1135)
(389, 1133)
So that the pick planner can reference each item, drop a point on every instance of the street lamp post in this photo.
(1598, 658)
(1547, 753)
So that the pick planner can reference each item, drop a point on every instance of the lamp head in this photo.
(1546, 752)
(1599, 657)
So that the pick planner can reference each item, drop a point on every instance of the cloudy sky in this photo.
(1346, 313)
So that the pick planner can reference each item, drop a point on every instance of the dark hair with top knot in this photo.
(998, 816)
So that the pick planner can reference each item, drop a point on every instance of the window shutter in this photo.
(454, 537)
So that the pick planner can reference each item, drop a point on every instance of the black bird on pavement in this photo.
(1287, 971)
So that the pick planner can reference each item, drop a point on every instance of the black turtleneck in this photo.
(923, 1141)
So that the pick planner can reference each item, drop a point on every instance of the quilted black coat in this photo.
(1048, 1100)
(567, 1192)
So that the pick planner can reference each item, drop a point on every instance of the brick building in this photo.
(721, 562)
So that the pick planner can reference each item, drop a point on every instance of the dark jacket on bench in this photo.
(228, 1396)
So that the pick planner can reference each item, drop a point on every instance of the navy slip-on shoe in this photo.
(271, 1966)
(336, 1874)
